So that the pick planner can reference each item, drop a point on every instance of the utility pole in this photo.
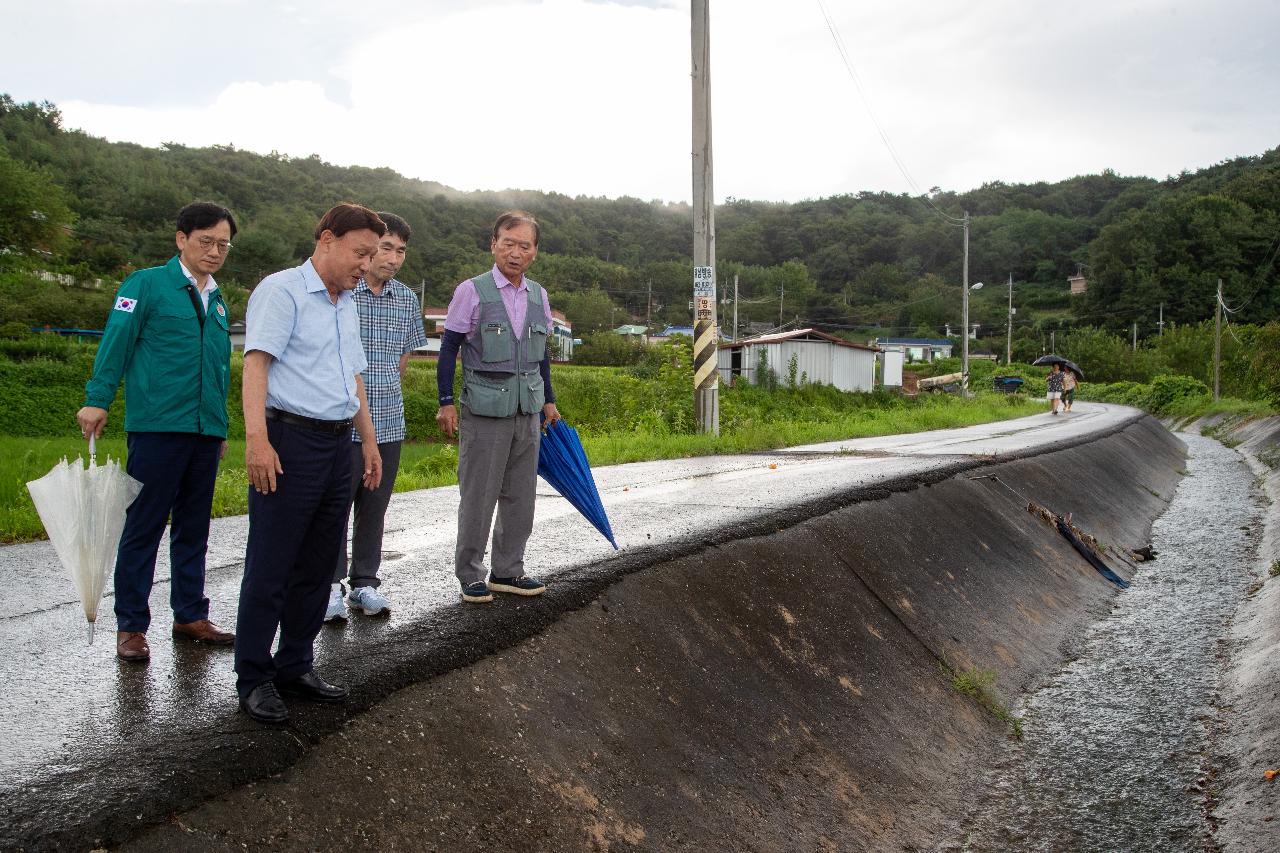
(1053, 341)
(1217, 342)
(706, 378)
(782, 298)
(1008, 346)
(1161, 323)
(964, 321)
(733, 334)
(1135, 335)
(648, 308)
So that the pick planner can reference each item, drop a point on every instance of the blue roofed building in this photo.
(666, 333)
(917, 349)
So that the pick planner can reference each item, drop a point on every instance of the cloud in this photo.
(568, 96)
(593, 98)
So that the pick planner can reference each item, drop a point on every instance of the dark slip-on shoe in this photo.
(313, 688)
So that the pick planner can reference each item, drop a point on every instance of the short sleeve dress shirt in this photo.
(314, 342)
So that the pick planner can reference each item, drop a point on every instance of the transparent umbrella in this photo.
(83, 512)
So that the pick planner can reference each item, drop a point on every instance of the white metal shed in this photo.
(819, 358)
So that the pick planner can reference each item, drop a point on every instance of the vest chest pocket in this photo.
(495, 342)
(537, 341)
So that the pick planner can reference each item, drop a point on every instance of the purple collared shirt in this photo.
(464, 309)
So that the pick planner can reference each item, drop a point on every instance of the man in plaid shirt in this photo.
(390, 328)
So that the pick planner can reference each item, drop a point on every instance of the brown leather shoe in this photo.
(203, 631)
(132, 645)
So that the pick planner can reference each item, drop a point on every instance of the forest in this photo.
(78, 213)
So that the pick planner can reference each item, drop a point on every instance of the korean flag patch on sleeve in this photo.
(126, 304)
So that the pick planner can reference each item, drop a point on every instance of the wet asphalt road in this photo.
(96, 748)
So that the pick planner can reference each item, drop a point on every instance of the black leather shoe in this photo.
(264, 704)
(312, 687)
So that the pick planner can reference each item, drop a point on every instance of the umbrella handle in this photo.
(93, 454)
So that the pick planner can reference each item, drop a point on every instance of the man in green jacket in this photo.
(167, 338)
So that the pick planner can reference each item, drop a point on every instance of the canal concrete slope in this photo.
(1248, 810)
(797, 680)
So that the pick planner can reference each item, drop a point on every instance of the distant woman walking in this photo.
(1055, 388)
(1069, 383)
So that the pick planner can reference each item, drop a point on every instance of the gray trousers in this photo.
(370, 512)
(497, 467)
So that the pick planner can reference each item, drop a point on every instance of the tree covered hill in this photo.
(850, 262)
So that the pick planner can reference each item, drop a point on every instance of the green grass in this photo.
(623, 414)
(1234, 406)
(755, 434)
(978, 684)
(422, 466)
(756, 421)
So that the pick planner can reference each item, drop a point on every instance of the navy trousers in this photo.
(177, 471)
(293, 534)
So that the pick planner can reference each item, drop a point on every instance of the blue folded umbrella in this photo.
(563, 463)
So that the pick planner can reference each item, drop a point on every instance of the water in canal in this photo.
(1115, 754)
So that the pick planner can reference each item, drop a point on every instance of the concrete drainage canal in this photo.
(840, 680)
(1116, 751)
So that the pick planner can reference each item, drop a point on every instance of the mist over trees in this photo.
(864, 263)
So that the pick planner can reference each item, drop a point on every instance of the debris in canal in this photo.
(1068, 531)
(1086, 545)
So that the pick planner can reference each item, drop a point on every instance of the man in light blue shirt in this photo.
(302, 395)
(390, 329)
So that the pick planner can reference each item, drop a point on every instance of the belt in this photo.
(334, 427)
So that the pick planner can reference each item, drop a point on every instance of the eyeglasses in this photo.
(208, 243)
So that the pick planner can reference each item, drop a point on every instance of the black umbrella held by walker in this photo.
(563, 463)
(1046, 360)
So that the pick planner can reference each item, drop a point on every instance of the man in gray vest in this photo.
(500, 321)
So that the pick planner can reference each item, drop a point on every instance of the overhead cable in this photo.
(884, 137)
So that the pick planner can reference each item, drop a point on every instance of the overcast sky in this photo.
(584, 97)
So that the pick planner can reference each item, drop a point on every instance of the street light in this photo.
(964, 313)
(977, 285)
(1008, 325)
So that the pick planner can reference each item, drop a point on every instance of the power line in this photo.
(884, 137)
(1258, 275)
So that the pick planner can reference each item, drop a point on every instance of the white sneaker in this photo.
(368, 599)
(337, 607)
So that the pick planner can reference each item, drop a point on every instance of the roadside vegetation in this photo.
(642, 412)
(1170, 375)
